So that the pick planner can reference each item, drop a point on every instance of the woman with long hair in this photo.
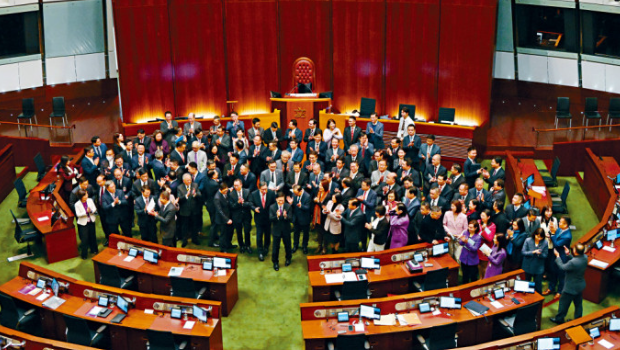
(516, 239)
(398, 227)
(535, 250)
(119, 143)
(319, 217)
(470, 240)
(333, 228)
(159, 143)
(497, 256)
(454, 223)
(69, 173)
(487, 231)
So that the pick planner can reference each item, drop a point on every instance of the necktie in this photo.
(436, 169)
(101, 197)
(363, 149)
(363, 206)
(262, 198)
(280, 209)
(428, 154)
(311, 132)
(141, 160)
(478, 195)
(352, 131)
(273, 177)
(239, 195)
(187, 189)
(196, 157)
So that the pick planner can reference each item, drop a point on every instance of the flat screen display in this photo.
(346, 268)
(595, 332)
(133, 252)
(440, 249)
(599, 244)
(612, 235)
(450, 303)
(498, 293)
(524, 286)
(103, 300)
(370, 263)
(614, 324)
(122, 304)
(175, 313)
(55, 287)
(418, 257)
(527, 205)
(222, 263)
(548, 344)
(424, 307)
(207, 265)
(151, 256)
(370, 312)
(343, 317)
(199, 313)
(41, 283)
(529, 181)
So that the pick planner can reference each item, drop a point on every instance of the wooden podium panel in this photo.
(300, 109)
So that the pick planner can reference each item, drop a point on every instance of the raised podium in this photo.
(299, 107)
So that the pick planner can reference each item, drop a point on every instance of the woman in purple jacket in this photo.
(471, 242)
(497, 256)
(398, 227)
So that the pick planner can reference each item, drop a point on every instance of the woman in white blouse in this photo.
(85, 210)
(333, 227)
(547, 220)
(331, 132)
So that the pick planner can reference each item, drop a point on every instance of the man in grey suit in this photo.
(428, 150)
(166, 217)
(273, 177)
(575, 283)
(168, 126)
(198, 156)
(532, 222)
(255, 130)
(190, 128)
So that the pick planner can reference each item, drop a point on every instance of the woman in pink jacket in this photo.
(454, 223)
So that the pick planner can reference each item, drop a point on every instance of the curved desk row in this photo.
(25, 341)
(154, 278)
(148, 311)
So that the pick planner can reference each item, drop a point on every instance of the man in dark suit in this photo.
(445, 191)
(280, 214)
(223, 218)
(231, 170)
(190, 205)
(456, 177)
(333, 153)
(301, 204)
(256, 156)
(98, 147)
(211, 188)
(391, 152)
(146, 222)
(115, 206)
(262, 200)
(98, 199)
(367, 199)
(351, 133)
(255, 130)
(411, 145)
(248, 179)
(516, 209)
(497, 191)
(483, 196)
(128, 152)
(241, 207)
(274, 133)
(142, 139)
(412, 203)
(141, 159)
(296, 177)
(90, 165)
(107, 163)
(354, 156)
(499, 217)
(435, 200)
(407, 170)
(431, 172)
(168, 127)
(179, 153)
(496, 172)
(293, 132)
(431, 229)
(463, 195)
(353, 223)
(428, 150)
(312, 130)
(317, 145)
(389, 185)
(355, 175)
(119, 163)
(339, 172)
(143, 180)
(415, 226)
(167, 220)
(574, 267)
(472, 169)
(347, 192)
(235, 124)
(366, 149)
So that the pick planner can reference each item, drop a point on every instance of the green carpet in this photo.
(267, 313)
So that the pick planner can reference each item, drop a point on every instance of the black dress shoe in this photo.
(287, 263)
(261, 257)
(305, 250)
(276, 267)
(294, 250)
(248, 250)
(555, 320)
(234, 246)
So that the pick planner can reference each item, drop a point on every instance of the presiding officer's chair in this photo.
(163, 341)
(185, 288)
(303, 75)
(109, 275)
(436, 279)
(79, 332)
(353, 290)
(14, 317)
(440, 338)
(349, 342)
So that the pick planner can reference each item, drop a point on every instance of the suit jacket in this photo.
(501, 174)
(135, 161)
(262, 217)
(73, 197)
(340, 174)
(415, 175)
(429, 172)
(457, 182)
(575, 268)
(447, 193)
(144, 219)
(412, 151)
(302, 181)
(560, 240)
(369, 204)
(413, 206)
(102, 149)
(346, 136)
(431, 229)
(281, 224)
(304, 167)
(353, 224)
(314, 181)
(376, 178)
(302, 215)
(357, 180)
(308, 134)
(222, 209)
(230, 179)
(376, 138)
(114, 213)
(199, 157)
(283, 167)
(296, 155)
(240, 211)
(257, 159)
(188, 126)
(225, 142)
(268, 135)
(487, 198)
(252, 132)
(362, 163)
(470, 171)
(248, 181)
(468, 197)
(339, 152)
(501, 223)
(266, 177)
(146, 141)
(81, 214)
(181, 158)
(321, 150)
(498, 195)
(512, 214)
(136, 188)
(368, 152)
(189, 202)
(232, 129)
(168, 131)
(124, 184)
(167, 219)
(347, 195)
(381, 232)
(270, 154)
(91, 171)
(441, 202)
(299, 135)
(211, 188)
(424, 152)
(127, 158)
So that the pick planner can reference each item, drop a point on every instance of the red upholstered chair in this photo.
(303, 72)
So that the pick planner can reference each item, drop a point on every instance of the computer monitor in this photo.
(41, 283)
(369, 312)
(123, 304)
(424, 307)
(527, 204)
(618, 179)
(326, 94)
(133, 252)
(440, 249)
(55, 287)
(151, 256)
(207, 265)
(548, 344)
(103, 301)
(614, 324)
(529, 181)
(594, 332)
(418, 257)
(304, 88)
(498, 293)
(524, 286)
(222, 263)
(347, 268)
(370, 263)
(599, 244)
(199, 313)
(176, 313)
(449, 303)
(612, 235)
(343, 316)
(446, 115)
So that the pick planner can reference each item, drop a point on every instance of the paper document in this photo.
(349, 276)
(359, 327)
(53, 302)
(175, 271)
(149, 311)
(609, 249)
(95, 310)
(151, 206)
(43, 218)
(43, 296)
(598, 263)
(496, 304)
(484, 248)
(386, 320)
(539, 189)
(606, 344)
(128, 259)
(409, 319)
(189, 325)
(35, 291)
(334, 278)
(221, 272)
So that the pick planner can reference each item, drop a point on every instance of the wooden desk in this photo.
(319, 324)
(154, 278)
(392, 278)
(596, 319)
(517, 172)
(31, 342)
(60, 239)
(601, 195)
(81, 296)
(299, 108)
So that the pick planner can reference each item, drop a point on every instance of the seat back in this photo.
(446, 114)
(20, 188)
(78, 331)
(591, 104)
(28, 107)
(524, 322)
(411, 110)
(58, 105)
(109, 275)
(18, 230)
(442, 337)
(352, 290)
(350, 341)
(160, 340)
(563, 105)
(436, 279)
(564, 194)
(367, 107)
(40, 163)
(614, 105)
(303, 72)
(555, 167)
(183, 287)
(9, 315)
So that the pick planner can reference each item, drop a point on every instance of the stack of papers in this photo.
(128, 258)
(95, 310)
(484, 248)
(606, 344)
(334, 278)
(609, 249)
(496, 304)
(386, 320)
(410, 319)
(53, 302)
(349, 276)
(598, 263)
(189, 325)
(175, 271)
(539, 189)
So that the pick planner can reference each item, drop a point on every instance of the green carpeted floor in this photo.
(267, 313)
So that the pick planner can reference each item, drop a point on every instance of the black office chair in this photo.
(79, 332)
(111, 276)
(411, 110)
(440, 338)
(163, 341)
(21, 235)
(41, 167)
(14, 317)
(22, 193)
(326, 94)
(521, 322)
(552, 181)
(559, 204)
(436, 279)
(446, 115)
(591, 111)
(562, 111)
(353, 290)
(27, 112)
(185, 288)
(614, 110)
(349, 342)
(58, 110)
(367, 107)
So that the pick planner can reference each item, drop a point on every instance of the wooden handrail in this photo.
(575, 128)
(72, 126)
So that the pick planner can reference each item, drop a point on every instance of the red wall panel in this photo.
(305, 31)
(412, 48)
(144, 58)
(251, 53)
(197, 36)
(359, 47)
(466, 47)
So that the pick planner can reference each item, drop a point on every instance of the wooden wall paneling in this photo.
(359, 52)
(466, 48)
(251, 53)
(411, 56)
(197, 39)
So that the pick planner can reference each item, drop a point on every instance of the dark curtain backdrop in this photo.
(194, 55)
